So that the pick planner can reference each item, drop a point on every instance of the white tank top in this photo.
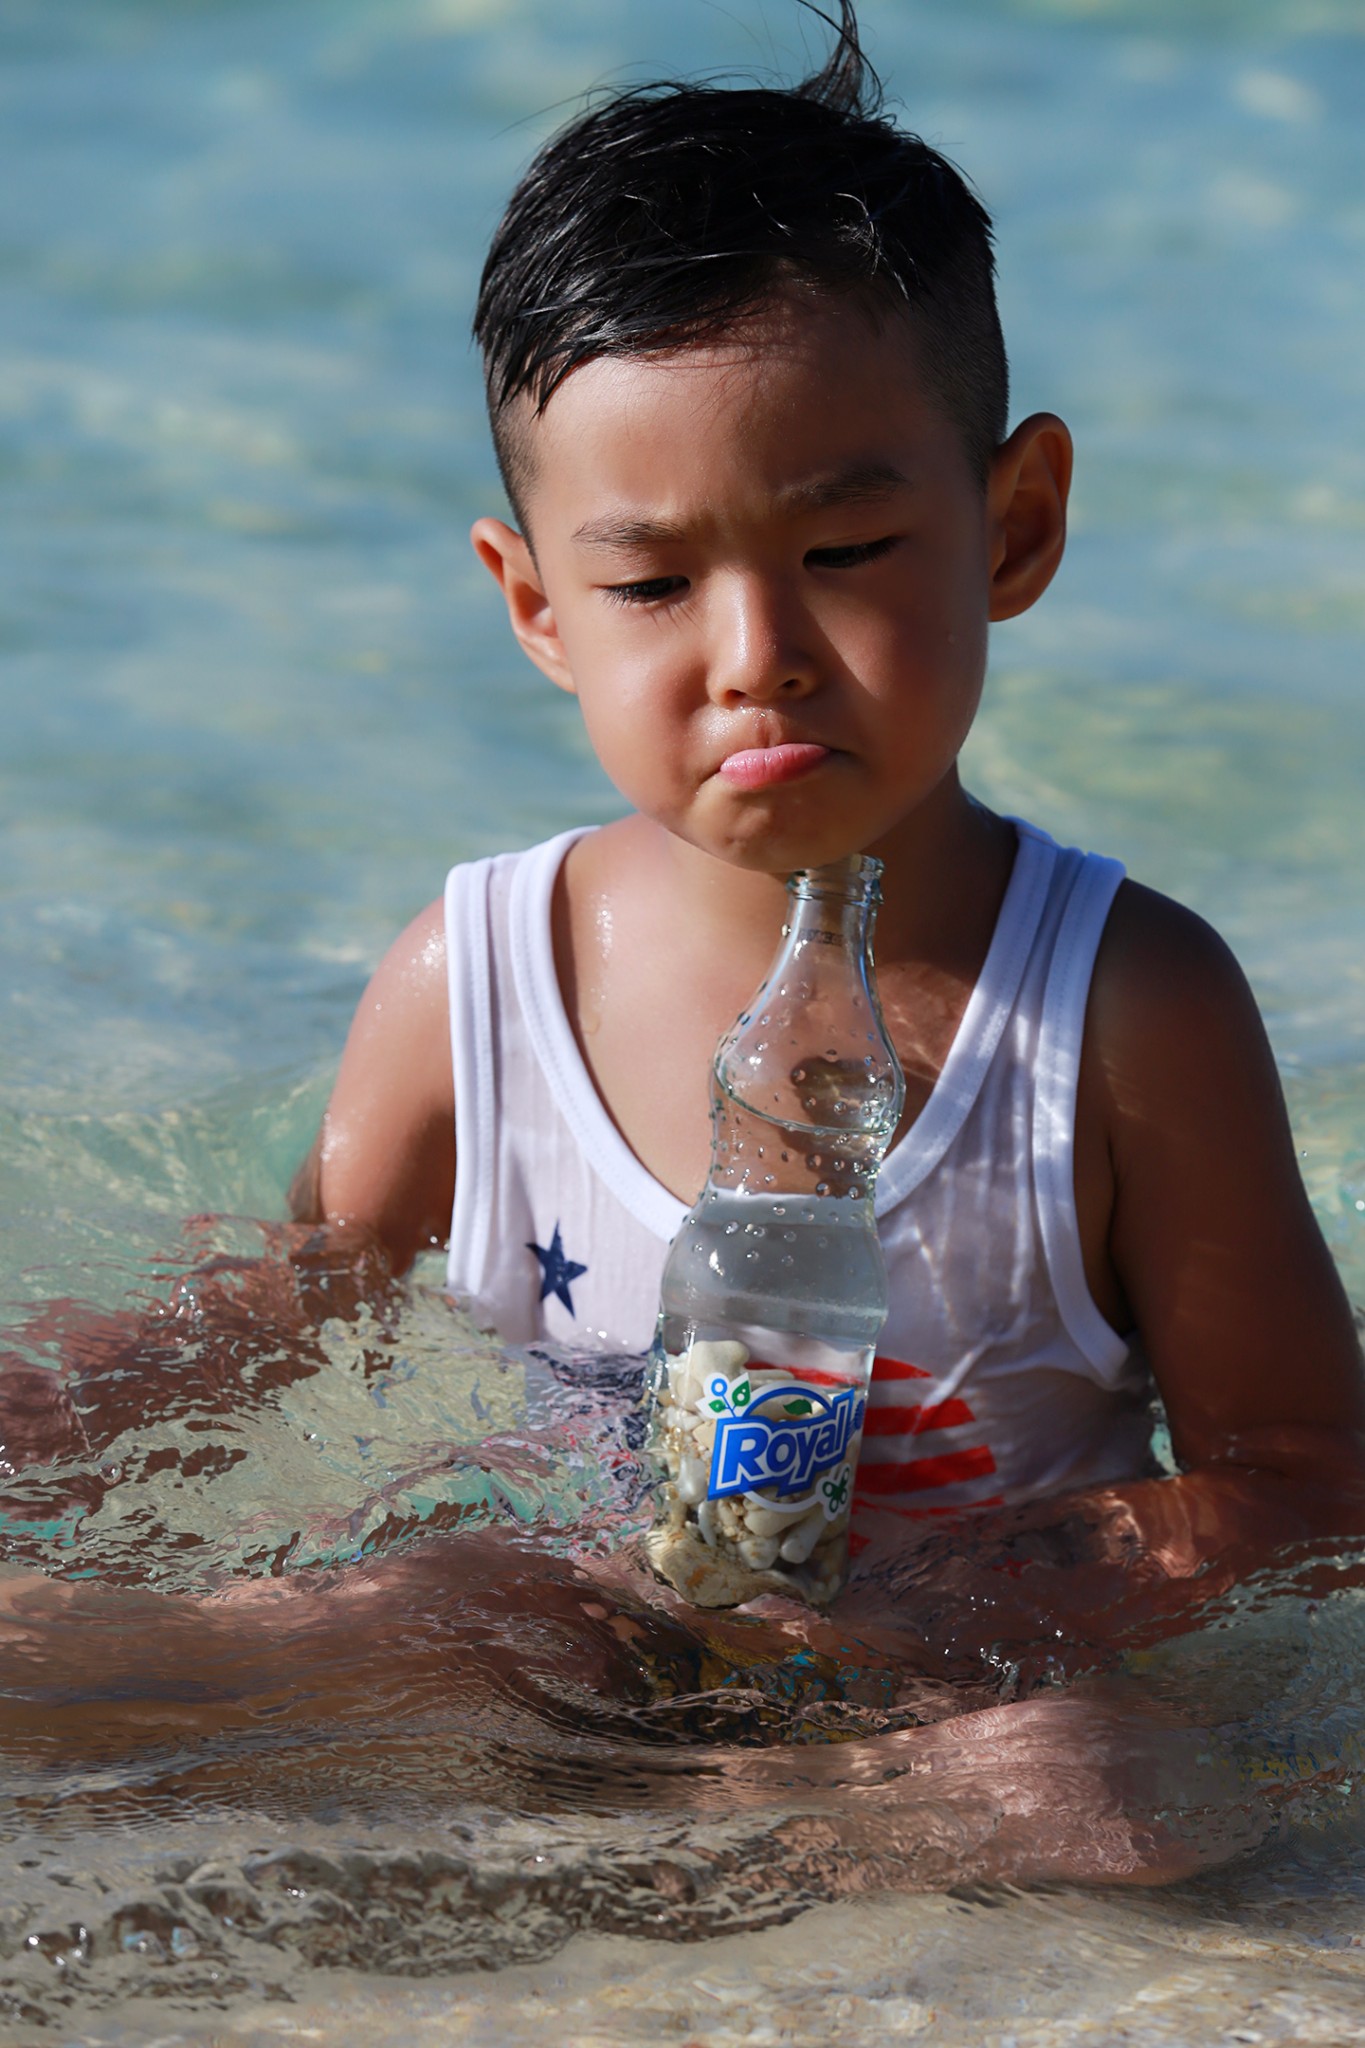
(997, 1377)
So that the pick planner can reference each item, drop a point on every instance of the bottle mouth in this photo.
(856, 878)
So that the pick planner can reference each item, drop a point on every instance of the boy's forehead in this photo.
(803, 404)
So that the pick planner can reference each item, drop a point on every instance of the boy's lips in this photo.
(762, 767)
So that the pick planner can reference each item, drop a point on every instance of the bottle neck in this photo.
(835, 906)
(811, 1056)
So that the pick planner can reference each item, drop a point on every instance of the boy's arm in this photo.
(1211, 1237)
(384, 1157)
(1198, 1234)
(90, 1666)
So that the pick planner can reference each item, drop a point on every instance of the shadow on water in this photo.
(341, 1655)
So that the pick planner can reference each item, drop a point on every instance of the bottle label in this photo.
(788, 1438)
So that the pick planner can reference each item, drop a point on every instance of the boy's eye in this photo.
(852, 556)
(651, 591)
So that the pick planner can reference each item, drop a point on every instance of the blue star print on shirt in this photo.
(556, 1271)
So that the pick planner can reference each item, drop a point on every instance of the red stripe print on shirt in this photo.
(915, 1421)
(882, 1480)
(884, 1369)
(921, 1475)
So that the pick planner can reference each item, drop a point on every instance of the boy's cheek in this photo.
(632, 749)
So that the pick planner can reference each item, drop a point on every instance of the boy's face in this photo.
(765, 568)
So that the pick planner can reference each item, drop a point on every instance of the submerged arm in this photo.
(230, 1330)
(85, 1665)
(379, 1178)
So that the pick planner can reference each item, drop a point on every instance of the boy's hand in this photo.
(1062, 1587)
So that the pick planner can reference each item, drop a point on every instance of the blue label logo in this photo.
(801, 1435)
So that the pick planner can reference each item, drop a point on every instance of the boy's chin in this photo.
(769, 845)
(779, 854)
(784, 852)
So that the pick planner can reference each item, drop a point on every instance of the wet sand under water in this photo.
(1233, 1961)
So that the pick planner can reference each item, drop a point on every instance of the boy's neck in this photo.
(945, 870)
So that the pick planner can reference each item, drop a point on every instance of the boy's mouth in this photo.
(762, 767)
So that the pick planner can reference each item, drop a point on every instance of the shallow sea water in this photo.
(255, 699)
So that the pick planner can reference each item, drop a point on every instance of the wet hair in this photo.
(664, 215)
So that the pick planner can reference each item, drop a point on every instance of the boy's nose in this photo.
(764, 647)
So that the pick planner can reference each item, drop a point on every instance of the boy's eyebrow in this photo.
(853, 485)
(858, 483)
(620, 531)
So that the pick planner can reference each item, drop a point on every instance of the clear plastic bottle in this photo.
(774, 1290)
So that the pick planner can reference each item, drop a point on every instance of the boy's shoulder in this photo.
(1162, 967)
(1176, 1063)
(407, 991)
(1172, 1023)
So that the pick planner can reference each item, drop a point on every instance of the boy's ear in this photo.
(1026, 499)
(508, 559)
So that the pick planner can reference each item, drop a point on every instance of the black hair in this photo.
(667, 213)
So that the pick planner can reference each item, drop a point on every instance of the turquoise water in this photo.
(257, 696)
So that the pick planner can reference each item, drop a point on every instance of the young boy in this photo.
(748, 392)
